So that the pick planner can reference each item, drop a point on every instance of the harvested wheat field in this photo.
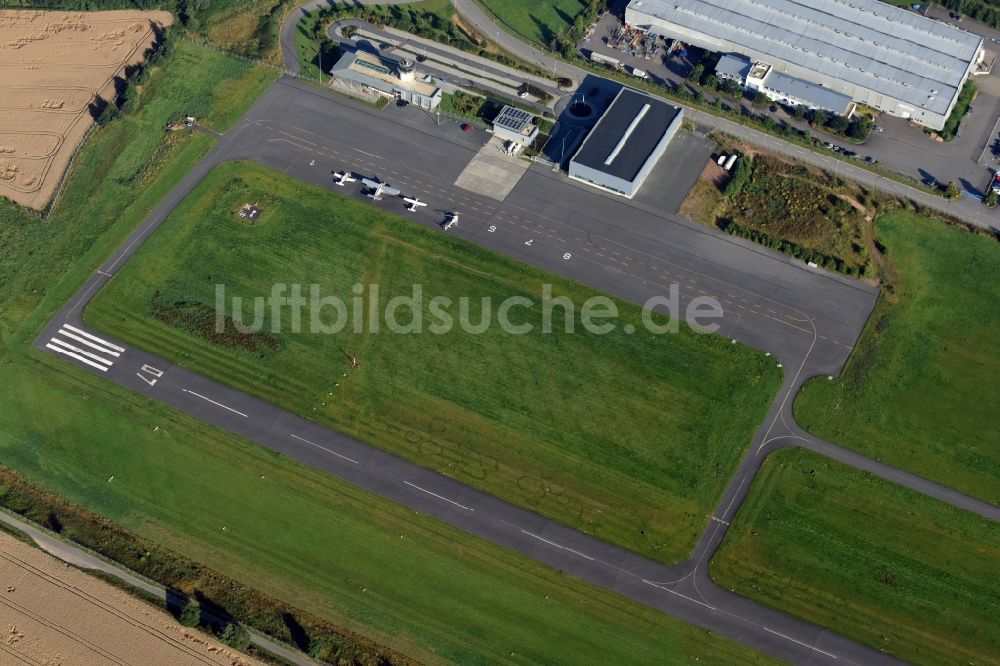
(54, 614)
(53, 67)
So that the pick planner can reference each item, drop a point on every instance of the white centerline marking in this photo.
(789, 638)
(94, 337)
(66, 345)
(424, 490)
(682, 596)
(77, 357)
(219, 404)
(323, 448)
(553, 543)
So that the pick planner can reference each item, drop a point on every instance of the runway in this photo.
(808, 320)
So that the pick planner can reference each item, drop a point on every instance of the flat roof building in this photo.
(517, 125)
(388, 77)
(626, 142)
(888, 58)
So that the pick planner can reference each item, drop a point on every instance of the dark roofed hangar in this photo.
(624, 146)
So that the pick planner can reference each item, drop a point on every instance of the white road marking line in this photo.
(302, 439)
(87, 342)
(66, 345)
(219, 404)
(553, 543)
(789, 638)
(720, 520)
(424, 490)
(682, 596)
(77, 357)
(369, 154)
(94, 338)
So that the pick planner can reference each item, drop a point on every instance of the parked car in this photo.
(970, 109)
(879, 129)
(871, 160)
(850, 153)
(466, 127)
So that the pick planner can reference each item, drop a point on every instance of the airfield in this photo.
(807, 319)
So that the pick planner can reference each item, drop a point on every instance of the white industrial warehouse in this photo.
(887, 58)
(626, 142)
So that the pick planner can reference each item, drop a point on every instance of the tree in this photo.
(696, 73)
(952, 192)
(838, 124)
(820, 117)
(799, 112)
(236, 636)
(759, 98)
(991, 198)
(731, 88)
(190, 615)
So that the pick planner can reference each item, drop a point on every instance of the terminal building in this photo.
(885, 57)
(625, 144)
(388, 77)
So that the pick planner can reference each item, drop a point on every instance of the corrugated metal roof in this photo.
(867, 43)
(814, 95)
(733, 65)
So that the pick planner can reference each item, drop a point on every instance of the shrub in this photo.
(190, 615)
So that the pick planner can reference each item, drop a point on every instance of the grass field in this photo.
(871, 560)
(435, 593)
(408, 581)
(920, 389)
(629, 437)
(537, 22)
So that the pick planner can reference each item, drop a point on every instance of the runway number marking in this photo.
(528, 242)
(150, 370)
(567, 256)
(492, 228)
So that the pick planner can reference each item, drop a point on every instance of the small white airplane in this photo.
(450, 220)
(343, 177)
(413, 204)
(377, 189)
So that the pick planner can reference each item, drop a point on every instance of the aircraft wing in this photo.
(391, 191)
(368, 182)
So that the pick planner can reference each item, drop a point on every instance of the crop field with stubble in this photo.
(55, 68)
(628, 437)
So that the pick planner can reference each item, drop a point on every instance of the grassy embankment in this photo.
(920, 390)
(871, 560)
(178, 482)
(537, 22)
(628, 437)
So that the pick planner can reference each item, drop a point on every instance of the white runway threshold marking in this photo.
(789, 638)
(97, 349)
(553, 543)
(217, 404)
(424, 490)
(302, 439)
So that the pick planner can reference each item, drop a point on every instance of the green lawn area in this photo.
(538, 23)
(920, 390)
(366, 564)
(871, 560)
(628, 437)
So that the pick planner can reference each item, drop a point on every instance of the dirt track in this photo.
(56, 615)
(53, 67)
